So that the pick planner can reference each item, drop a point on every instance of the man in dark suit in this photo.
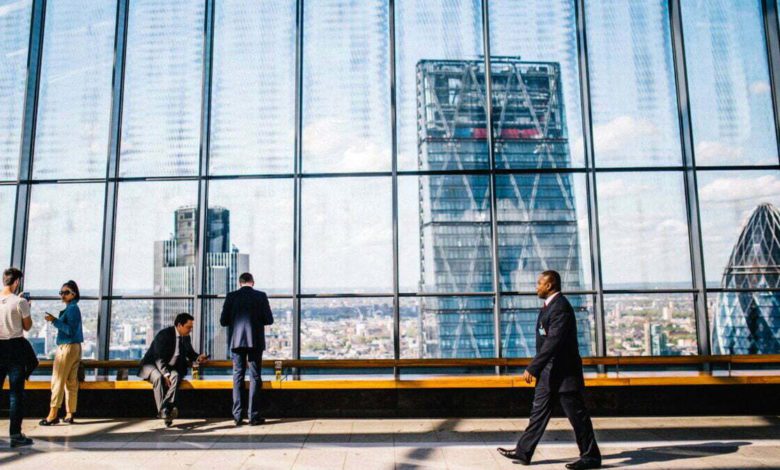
(246, 312)
(166, 363)
(557, 368)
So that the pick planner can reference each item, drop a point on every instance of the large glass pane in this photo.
(650, 325)
(71, 140)
(446, 327)
(163, 86)
(543, 224)
(43, 336)
(444, 234)
(278, 337)
(346, 86)
(250, 228)
(354, 328)
(155, 245)
(633, 94)
(644, 231)
(254, 78)
(518, 324)
(441, 85)
(134, 323)
(745, 322)
(740, 226)
(14, 40)
(731, 98)
(7, 212)
(347, 235)
(536, 99)
(64, 237)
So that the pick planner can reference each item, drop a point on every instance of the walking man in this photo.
(557, 369)
(245, 313)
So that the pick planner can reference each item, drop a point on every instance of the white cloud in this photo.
(760, 87)
(622, 133)
(765, 187)
(330, 140)
(617, 187)
(710, 149)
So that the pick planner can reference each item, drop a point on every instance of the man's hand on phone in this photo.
(203, 358)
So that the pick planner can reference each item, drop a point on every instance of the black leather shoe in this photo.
(69, 420)
(239, 422)
(19, 440)
(45, 422)
(583, 464)
(511, 454)
(257, 422)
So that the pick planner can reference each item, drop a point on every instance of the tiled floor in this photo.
(712, 442)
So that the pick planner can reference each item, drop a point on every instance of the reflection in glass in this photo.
(278, 337)
(250, 229)
(444, 233)
(428, 35)
(7, 211)
(346, 235)
(727, 201)
(346, 83)
(155, 239)
(731, 98)
(254, 78)
(633, 95)
(43, 336)
(644, 230)
(75, 90)
(162, 94)
(64, 236)
(537, 42)
(542, 224)
(446, 327)
(519, 315)
(133, 325)
(650, 325)
(14, 39)
(355, 328)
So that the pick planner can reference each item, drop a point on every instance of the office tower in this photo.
(537, 213)
(174, 273)
(749, 322)
(14, 38)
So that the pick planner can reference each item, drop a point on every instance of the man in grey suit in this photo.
(246, 312)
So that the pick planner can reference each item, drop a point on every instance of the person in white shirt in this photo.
(15, 319)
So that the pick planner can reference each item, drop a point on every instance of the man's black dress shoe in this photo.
(583, 464)
(239, 422)
(257, 422)
(511, 454)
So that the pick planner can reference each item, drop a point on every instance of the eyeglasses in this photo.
(65, 292)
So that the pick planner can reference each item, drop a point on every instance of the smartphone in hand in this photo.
(25, 296)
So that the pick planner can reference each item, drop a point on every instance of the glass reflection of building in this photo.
(537, 213)
(749, 322)
(174, 272)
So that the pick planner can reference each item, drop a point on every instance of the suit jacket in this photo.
(161, 352)
(557, 364)
(246, 312)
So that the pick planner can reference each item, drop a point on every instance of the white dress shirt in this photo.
(550, 299)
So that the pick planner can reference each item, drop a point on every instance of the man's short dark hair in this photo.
(246, 278)
(11, 275)
(183, 318)
(554, 278)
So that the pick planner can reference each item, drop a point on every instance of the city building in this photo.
(749, 322)
(174, 273)
(537, 214)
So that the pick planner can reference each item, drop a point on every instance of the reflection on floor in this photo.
(695, 442)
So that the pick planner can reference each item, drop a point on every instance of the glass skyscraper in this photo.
(749, 322)
(537, 214)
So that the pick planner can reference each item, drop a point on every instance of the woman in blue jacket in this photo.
(64, 378)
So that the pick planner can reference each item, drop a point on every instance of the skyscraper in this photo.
(749, 322)
(537, 213)
(174, 272)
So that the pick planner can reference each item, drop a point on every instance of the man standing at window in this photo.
(245, 313)
(166, 364)
(557, 368)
